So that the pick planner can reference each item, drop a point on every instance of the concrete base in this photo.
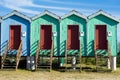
(61, 64)
(61, 61)
(28, 63)
(32, 61)
(114, 63)
(74, 62)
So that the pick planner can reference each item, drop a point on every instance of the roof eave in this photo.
(74, 13)
(18, 14)
(105, 14)
(47, 13)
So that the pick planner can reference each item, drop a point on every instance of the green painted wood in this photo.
(60, 40)
(111, 27)
(35, 33)
(72, 20)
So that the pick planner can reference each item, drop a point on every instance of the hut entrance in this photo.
(73, 44)
(46, 37)
(101, 37)
(101, 43)
(45, 48)
(15, 36)
(73, 37)
(11, 58)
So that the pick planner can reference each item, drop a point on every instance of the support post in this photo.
(32, 60)
(114, 63)
(66, 56)
(74, 62)
(108, 64)
(80, 57)
(96, 61)
(28, 63)
(18, 56)
(60, 62)
(51, 54)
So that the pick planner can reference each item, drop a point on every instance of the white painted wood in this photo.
(113, 63)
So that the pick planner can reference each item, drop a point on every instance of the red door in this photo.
(101, 37)
(73, 37)
(15, 36)
(46, 37)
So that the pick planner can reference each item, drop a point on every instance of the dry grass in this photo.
(56, 75)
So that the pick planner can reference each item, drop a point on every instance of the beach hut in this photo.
(72, 37)
(102, 37)
(15, 39)
(44, 38)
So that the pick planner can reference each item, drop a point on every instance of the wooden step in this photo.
(43, 66)
(9, 66)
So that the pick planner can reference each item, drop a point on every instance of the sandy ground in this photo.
(56, 75)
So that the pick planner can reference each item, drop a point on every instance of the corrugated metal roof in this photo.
(48, 13)
(105, 14)
(75, 13)
(15, 12)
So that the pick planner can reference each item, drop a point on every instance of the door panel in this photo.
(46, 36)
(101, 37)
(15, 36)
(73, 37)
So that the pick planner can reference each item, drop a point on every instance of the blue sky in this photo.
(61, 7)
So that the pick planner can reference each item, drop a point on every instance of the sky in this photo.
(61, 7)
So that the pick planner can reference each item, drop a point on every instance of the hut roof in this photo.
(105, 14)
(48, 13)
(75, 13)
(15, 12)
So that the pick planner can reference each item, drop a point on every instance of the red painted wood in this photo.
(73, 37)
(101, 37)
(15, 36)
(46, 37)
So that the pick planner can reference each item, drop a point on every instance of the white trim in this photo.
(18, 14)
(48, 13)
(105, 14)
(75, 13)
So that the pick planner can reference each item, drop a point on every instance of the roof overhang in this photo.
(101, 12)
(15, 12)
(73, 12)
(46, 12)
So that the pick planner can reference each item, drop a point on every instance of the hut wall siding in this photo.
(72, 20)
(25, 27)
(61, 28)
(111, 27)
(35, 32)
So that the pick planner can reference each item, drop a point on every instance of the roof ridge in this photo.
(15, 12)
(105, 14)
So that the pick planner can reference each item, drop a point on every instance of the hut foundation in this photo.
(114, 63)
